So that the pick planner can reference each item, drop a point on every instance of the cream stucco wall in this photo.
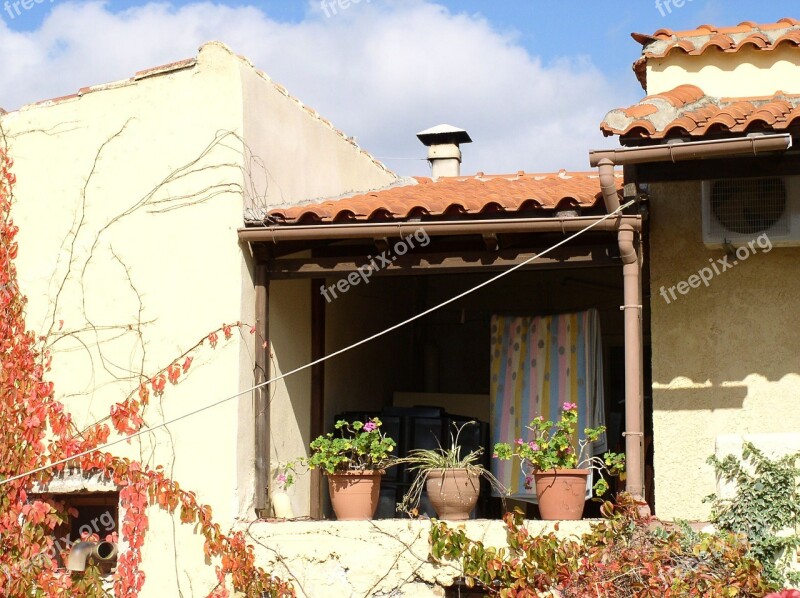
(374, 558)
(290, 398)
(745, 73)
(724, 356)
(292, 154)
(129, 198)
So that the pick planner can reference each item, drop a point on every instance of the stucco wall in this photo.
(290, 398)
(129, 198)
(134, 285)
(373, 558)
(747, 72)
(293, 154)
(724, 356)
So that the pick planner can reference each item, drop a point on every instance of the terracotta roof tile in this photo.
(767, 36)
(475, 195)
(695, 42)
(689, 112)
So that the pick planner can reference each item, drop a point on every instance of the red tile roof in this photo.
(456, 196)
(767, 36)
(687, 111)
(728, 39)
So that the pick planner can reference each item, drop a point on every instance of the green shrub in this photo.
(765, 508)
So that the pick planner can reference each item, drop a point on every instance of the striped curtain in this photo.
(538, 364)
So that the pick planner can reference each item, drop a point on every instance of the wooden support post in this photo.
(317, 387)
(262, 394)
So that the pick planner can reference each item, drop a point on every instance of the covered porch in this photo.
(330, 275)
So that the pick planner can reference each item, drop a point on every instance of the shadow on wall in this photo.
(685, 394)
(707, 397)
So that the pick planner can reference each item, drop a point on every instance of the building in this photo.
(258, 211)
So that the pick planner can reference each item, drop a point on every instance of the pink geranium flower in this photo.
(569, 406)
(370, 427)
(784, 594)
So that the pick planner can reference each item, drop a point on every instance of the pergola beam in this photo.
(445, 263)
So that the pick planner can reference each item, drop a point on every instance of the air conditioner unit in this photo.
(736, 211)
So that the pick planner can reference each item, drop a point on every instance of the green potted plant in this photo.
(558, 469)
(353, 461)
(451, 481)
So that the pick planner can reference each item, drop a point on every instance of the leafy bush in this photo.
(765, 508)
(625, 556)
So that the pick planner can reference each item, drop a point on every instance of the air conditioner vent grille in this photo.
(749, 206)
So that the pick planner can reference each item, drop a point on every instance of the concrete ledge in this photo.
(385, 557)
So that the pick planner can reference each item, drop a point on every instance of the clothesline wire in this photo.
(322, 359)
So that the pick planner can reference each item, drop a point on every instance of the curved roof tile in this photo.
(764, 36)
(695, 42)
(479, 194)
(687, 111)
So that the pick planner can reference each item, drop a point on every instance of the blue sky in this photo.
(512, 72)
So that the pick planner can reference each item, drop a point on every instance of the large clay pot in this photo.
(453, 492)
(561, 493)
(354, 494)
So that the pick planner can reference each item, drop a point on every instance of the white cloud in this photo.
(380, 70)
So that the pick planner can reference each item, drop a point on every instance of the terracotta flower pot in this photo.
(452, 492)
(561, 493)
(354, 494)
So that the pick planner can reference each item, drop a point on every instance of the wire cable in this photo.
(363, 341)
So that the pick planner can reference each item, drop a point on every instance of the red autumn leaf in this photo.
(173, 373)
(158, 383)
(186, 364)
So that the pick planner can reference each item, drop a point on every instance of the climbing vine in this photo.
(624, 555)
(765, 507)
(37, 432)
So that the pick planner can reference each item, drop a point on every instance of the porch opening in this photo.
(435, 371)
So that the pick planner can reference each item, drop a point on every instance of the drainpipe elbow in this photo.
(608, 184)
(79, 555)
(627, 249)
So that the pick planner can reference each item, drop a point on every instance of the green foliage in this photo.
(624, 555)
(359, 446)
(765, 507)
(551, 448)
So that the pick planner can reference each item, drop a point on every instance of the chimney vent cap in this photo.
(443, 134)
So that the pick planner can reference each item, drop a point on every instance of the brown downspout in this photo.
(632, 306)
(605, 160)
